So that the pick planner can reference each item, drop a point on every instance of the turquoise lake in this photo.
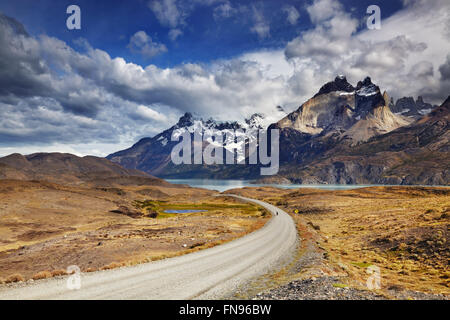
(223, 185)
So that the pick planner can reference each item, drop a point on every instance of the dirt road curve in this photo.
(207, 274)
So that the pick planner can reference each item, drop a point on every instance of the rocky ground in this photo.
(401, 230)
(330, 288)
(323, 288)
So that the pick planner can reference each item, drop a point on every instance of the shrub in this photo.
(42, 275)
(153, 214)
(112, 265)
(59, 272)
(15, 278)
(197, 244)
(316, 227)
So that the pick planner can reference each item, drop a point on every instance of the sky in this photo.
(135, 67)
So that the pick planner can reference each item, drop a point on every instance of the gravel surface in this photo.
(329, 288)
(323, 288)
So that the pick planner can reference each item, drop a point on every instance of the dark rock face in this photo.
(415, 109)
(366, 83)
(414, 154)
(404, 103)
(185, 121)
(355, 116)
(339, 84)
(368, 97)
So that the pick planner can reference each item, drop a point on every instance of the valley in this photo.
(131, 219)
(98, 224)
(225, 150)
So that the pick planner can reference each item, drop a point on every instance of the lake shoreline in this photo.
(222, 185)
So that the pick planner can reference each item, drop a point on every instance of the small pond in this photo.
(183, 211)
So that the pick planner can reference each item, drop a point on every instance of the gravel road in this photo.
(206, 274)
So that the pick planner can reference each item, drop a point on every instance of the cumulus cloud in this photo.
(167, 12)
(292, 14)
(401, 57)
(322, 10)
(143, 44)
(53, 95)
(96, 98)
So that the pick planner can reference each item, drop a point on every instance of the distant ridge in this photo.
(65, 168)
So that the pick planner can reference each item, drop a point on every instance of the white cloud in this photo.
(322, 10)
(398, 57)
(260, 25)
(272, 62)
(150, 114)
(100, 104)
(174, 13)
(292, 14)
(224, 10)
(167, 12)
(143, 44)
(174, 34)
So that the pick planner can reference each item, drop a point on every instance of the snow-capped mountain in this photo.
(153, 154)
(343, 134)
(356, 113)
(406, 106)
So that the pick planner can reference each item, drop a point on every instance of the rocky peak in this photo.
(404, 103)
(186, 120)
(255, 120)
(420, 104)
(408, 107)
(340, 83)
(366, 88)
(354, 113)
(192, 123)
(366, 82)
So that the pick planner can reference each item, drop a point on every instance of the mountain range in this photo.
(344, 134)
(152, 155)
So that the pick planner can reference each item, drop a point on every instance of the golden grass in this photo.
(42, 275)
(59, 220)
(112, 265)
(15, 278)
(402, 230)
(59, 272)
